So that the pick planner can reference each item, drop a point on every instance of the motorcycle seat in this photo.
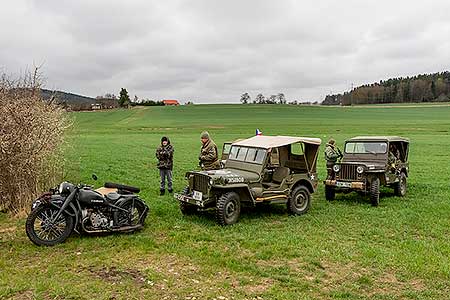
(113, 196)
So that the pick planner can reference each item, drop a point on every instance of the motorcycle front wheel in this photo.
(44, 229)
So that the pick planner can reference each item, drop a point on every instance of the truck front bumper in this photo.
(189, 199)
(354, 185)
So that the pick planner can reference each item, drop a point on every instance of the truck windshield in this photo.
(366, 147)
(226, 148)
(245, 154)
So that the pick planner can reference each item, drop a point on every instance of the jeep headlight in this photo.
(60, 189)
(360, 169)
(211, 181)
(336, 168)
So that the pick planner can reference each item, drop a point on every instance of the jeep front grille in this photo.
(201, 183)
(348, 172)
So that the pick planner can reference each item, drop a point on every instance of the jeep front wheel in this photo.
(375, 191)
(330, 192)
(228, 208)
(400, 186)
(300, 201)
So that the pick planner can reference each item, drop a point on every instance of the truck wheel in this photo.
(300, 201)
(330, 192)
(375, 191)
(400, 186)
(228, 208)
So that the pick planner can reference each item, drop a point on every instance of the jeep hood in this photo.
(238, 176)
(371, 165)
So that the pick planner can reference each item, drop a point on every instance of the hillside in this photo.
(421, 88)
(74, 101)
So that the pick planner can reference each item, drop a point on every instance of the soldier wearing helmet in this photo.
(332, 154)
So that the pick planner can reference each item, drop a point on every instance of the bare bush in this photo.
(31, 139)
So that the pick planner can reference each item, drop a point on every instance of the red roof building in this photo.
(171, 102)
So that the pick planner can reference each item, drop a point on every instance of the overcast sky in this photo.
(213, 51)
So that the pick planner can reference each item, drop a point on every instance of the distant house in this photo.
(171, 102)
(107, 103)
(96, 106)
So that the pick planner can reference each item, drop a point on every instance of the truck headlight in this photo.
(336, 168)
(211, 181)
(359, 169)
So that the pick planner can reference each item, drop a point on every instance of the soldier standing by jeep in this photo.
(332, 153)
(393, 156)
(164, 154)
(208, 158)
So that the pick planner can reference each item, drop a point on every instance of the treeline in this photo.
(261, 99)
(421, 88)
(142, 102)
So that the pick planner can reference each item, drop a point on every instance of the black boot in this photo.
(170, 191)
(162, 192)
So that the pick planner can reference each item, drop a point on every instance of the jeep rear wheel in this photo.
(400, 186)
(330, 192)
(228, 208)
(300, 201)
(375, 191)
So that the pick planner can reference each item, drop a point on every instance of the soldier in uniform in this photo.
(164, 154)
(393, 156)
(332, 154)
(208, 158)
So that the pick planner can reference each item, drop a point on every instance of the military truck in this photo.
(367, 163)
(261, 169)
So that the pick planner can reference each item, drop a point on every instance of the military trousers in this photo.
(330, 165)
(165, 174)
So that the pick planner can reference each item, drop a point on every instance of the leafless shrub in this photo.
(31, 140)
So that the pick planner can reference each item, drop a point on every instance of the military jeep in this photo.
(369, 162)
(261, 169)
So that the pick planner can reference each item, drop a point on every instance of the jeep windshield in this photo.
(366, 147)
(226, 148)
(246, 154)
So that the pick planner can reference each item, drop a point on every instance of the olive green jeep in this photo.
(261, 169)
(369, 162)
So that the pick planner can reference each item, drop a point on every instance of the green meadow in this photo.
(344, 249)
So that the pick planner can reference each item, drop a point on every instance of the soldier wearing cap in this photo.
(164, 154)
(332, 154)
(209, 156)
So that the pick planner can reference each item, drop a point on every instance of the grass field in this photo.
(343, 249)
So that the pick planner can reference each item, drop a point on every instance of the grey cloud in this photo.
(212, 51)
